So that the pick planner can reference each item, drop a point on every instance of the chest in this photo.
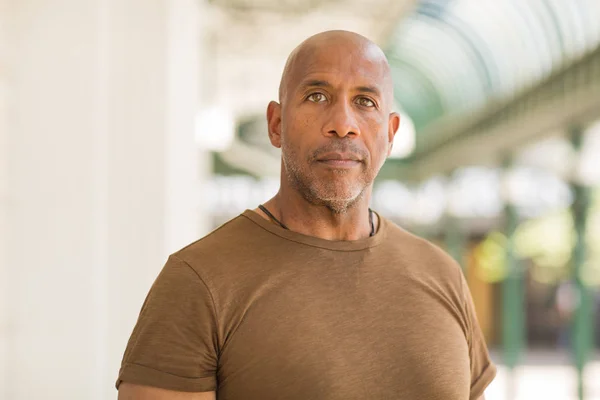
(346, 334)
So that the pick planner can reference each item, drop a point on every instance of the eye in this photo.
(317, 97)
(365, 102)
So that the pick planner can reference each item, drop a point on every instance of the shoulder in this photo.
(420, 256)
(430, 270)
(225, 245)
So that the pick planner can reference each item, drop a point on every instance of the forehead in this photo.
(341, 65)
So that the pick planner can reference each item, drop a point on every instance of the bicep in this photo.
(482, 368)
(130, 391)
(174, 344)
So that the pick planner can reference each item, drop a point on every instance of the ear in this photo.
(393, 125)
(274, 123)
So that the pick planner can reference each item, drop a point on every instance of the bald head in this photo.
(331, 51)
(333, 122)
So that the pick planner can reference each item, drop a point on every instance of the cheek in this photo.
(382, 149)
(300, 130)
(378, 140)
(307, 123)
(295, 123)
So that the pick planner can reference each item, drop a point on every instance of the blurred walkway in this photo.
(544, 375)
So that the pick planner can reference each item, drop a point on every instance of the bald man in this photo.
(312, 295)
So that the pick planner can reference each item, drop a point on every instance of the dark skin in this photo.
(335, 127)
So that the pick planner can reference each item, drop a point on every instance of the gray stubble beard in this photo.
(299, 183)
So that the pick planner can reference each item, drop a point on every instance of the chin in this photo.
(338, 206)
(338, 201)
(338, 193)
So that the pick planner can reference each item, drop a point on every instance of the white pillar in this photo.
(4, 328)
(101, 176)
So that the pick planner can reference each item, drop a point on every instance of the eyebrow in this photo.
(314, 83)
(369, 89)
(321, 83)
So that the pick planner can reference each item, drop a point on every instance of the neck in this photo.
(299, 215)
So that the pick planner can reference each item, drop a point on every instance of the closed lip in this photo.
(339, 157)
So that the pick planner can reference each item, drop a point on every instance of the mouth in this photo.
(340, 160)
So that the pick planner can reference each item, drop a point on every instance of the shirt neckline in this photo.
(338, 245)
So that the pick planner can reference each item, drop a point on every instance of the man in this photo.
(313, 296)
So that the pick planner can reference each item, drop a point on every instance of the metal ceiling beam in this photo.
(569, 96)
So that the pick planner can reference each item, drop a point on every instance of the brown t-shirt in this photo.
(255, 311)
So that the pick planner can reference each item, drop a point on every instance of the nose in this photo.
(341, 121)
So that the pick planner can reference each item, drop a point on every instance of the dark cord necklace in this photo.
(264, 209)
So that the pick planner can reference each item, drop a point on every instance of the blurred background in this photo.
(130, 128)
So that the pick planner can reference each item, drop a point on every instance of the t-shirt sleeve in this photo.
(174, 343)
(483, 370)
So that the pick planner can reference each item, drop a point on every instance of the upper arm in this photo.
(130, 391)
(483, 370)
(174, 344)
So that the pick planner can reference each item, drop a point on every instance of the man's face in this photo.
(336, 127)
